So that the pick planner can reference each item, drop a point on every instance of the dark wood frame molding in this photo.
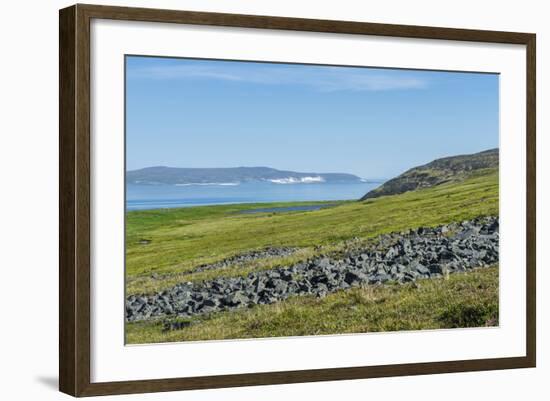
(74, 199)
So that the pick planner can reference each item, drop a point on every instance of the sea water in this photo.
(142, 196)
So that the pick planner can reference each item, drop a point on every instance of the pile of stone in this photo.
(398, 257)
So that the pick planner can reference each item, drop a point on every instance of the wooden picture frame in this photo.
(74, 203)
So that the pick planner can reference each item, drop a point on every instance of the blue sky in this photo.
(372, 122)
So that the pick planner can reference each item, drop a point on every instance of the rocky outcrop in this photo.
(437, 172)
(397, 257)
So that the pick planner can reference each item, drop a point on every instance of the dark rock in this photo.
(351, 278)
(391, 253)
(169, 326)
(435, 269)
(446, 255)
(280, 286)
(235, 299)
(286, 275)
(382, 278)
(421, 269)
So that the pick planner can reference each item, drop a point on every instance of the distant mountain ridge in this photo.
(437, 172)
(231, 175)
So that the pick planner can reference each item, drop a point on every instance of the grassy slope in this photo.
(184, 238)
(459, 300)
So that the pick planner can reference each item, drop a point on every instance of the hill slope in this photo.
(174, 175)
(439, 171)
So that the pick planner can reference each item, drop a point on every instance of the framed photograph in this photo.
(250, 200)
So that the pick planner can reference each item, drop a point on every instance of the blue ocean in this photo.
(147, 196)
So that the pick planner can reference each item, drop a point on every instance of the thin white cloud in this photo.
(328, 79)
